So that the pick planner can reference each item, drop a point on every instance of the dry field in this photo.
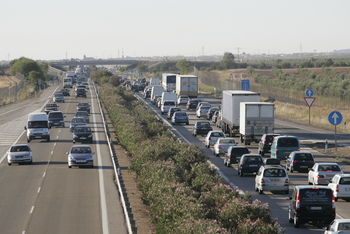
(7, 81)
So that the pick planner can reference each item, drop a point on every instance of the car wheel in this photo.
(63, 125)
(240, 173)
(194, 134)
(309, 183)
(187, 123)
(228, 164)
(296, 222)
(260, 191)
(172, 123)
(335, 199)
(291, 169)
(9, 164)
(73, 142)
(69, 166)
(92, 166)
(28, 141)
(217, 155)
(91, 141)
(31, 162)
(48, 139)
(262, 152)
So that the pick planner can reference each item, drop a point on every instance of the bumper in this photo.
(39, 137)
(275, 188)
(82, 163)
(19, 160)
(250, 169)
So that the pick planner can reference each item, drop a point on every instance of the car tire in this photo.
(172, 123)
(296, 222)
(291, 169)
(309, 183)
(9, 164)
(48, 139)
(228, 164)
(187, 123)
(260, 191)
(28, 141)
(69, 166)
(240, 173)
(335, 199)
(195, 135)
(262, 152)
(63, 125)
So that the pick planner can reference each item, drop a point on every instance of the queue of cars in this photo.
(80, 155)
(326, 185)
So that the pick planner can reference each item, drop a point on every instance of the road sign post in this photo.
(309, 101)
(335, 118)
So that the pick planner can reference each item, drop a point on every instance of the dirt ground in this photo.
(7, 81)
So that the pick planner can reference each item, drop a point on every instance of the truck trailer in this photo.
(230, 109)
(256, 119)
(169, 81)
(187, 85)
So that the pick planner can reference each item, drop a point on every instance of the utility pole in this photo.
(238, 51)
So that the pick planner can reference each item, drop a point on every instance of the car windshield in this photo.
(217, 134)
(181, 114)
(274, 173)
(37, 124)
(83, 104)
(316, 195)
(78, 120)
(58, 94)
(239, 151)
(344, 180)
(343, 226)
(19, 148)
(81, 150)
(205, 107)
(252, 159)
(81, 113)
(328, 168)
(55, 115)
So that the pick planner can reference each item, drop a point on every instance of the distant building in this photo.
(88, 58)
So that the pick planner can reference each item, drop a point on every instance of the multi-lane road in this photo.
(277, 201)
(47, 196)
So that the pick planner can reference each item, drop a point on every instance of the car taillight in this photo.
(211, 128)
(298, 149)
(294, 162)
(333, 203)
(286, 182)
(209, 138)
(337, 188)
(262, 182)
(297, 201)
(242, 164)
(264, 141)
(220, 147)
(230, 156)
(320, 176)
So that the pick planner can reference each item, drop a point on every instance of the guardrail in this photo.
(129, 217)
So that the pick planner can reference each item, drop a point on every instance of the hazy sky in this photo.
(56, 29)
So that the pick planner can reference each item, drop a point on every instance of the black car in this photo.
(56, 118)
(300, 161)
(265, 143)
(249, 163)
(65, 92)
(211, 112)
(234, 154)
(83, 114)
(82, 133)
(311, 203)
(192, 103)
(201, 128)
(172, 110)
(80, 92)
(83, 106)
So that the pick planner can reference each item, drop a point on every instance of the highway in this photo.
(47, 196)
(277, 201)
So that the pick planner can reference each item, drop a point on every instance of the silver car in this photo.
(19, 154)
(80, 155)
(272, 178)
(222, 144)
(58, 97)
(202, 111)
(212, 137)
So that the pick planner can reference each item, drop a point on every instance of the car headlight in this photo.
(45, 133)
(90, 135)
(61, 121)
(50, 121)
(75, 136)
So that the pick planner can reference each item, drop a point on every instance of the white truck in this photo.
(37, 127)
(230, 108)
(256, 119)
(67, 82)
(168, 96)
(187, 85)
(169, 81)
(156, 90)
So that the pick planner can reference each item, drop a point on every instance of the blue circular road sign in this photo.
(309, 93)
(335, 118)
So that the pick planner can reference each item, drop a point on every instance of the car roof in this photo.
(327, 164)
(51, 112)
(80, 146)
(250, 155)
(343, 175)
(273, 166)
(311, 186)
(301, 152)
(239, 146)
(342, 220)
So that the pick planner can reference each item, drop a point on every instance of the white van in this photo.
(154, 81)
(67, 82)
(156, 91)
(169, 96)
(37, 127)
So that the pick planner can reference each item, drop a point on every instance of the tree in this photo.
(34, 76)
(142, 67)
(329, 62)
(183, 65)
(262, 65)
(228, 61)
(24, 66)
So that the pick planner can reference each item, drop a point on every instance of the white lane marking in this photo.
(31, 211)
(51, 152)
(48, 162)
(39, 189)
(44, 174)
(54, 144)
(104, 215)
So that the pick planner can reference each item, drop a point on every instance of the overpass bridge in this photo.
(92, 62)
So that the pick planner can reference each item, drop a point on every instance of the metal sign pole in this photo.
(335, 137)
(309, 114)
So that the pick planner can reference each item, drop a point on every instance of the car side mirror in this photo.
(25, 127)
(67, 152)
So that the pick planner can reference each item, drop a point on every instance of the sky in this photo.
(60, 29)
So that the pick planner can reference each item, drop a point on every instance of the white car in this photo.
(222, 144)
(19, 154)
(322, 173)
(340, 184)
(272, 178)
(182, 100)
(164, 108)
(212, 137)
(338, 226)
(202, 111)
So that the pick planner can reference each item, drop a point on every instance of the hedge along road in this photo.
(277, 201)
(47, 196)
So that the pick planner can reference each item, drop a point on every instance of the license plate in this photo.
(80, 161)
(315, 208)
(288, 152)
(347, 189)
(83, 138)
(303, 166)
(330, 175)
(275, 180)
(55, 123)
(253, 165)
(37, 136)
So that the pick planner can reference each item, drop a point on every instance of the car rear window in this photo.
(252, 159)
(316, 195)
(227, 141)
(181, 114)
(329, 168)
(303, 157)
(239, 151)
(269, 138)
(169, 103)
(274, 173)
(288, 142)
(344, 180)
(217, 134)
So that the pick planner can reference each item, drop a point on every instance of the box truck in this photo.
(230, 108)
(154, 81)
(169, 81)
(187, 85)
(256, 119)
